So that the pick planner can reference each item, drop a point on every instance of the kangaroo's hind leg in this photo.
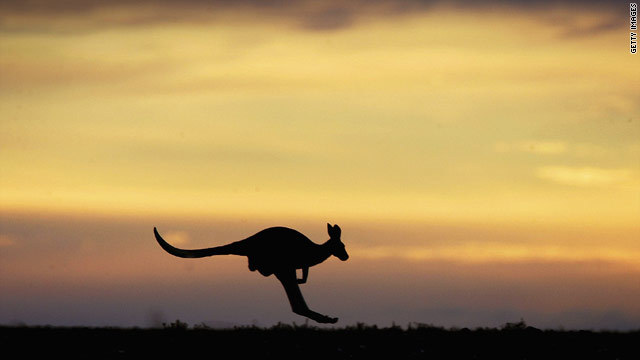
(298, 305)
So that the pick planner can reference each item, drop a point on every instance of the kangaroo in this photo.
(278, 251)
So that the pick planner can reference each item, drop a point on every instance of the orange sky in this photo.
(430, 132)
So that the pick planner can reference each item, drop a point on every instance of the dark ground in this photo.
(176, 341)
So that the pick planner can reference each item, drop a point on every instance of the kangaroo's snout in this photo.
(341, 253)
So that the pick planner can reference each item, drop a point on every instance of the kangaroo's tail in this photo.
(218, 250)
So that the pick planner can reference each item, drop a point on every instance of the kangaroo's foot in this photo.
(323, 319)
(330, 320)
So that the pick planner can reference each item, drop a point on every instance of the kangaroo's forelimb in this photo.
(305, 275)
(298, 305)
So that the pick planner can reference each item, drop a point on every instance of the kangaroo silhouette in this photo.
(279, 251)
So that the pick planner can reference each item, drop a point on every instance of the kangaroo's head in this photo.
(335, 244)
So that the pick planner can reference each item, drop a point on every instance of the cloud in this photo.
(177, 238)
(331, 18)
(584, 176)
(22, 15)
(587, 30)
(26, 74)
(533, 146)
(557, 147)
(572, 22)
(6, 241)
(544, 147)
(505, 251)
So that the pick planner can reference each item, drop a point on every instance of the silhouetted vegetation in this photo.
(178, 340)
(176, 325)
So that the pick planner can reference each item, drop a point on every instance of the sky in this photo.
(483, 161)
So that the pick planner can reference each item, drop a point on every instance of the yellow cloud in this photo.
(501, 251)
(177, 238)
(585, 176)
(533, 146)
(386, 118)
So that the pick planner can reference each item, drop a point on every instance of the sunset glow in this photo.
(431, 132)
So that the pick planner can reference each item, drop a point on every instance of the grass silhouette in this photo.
(360, 341)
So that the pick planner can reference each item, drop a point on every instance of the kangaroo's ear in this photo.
(337, 230)
(334, 231)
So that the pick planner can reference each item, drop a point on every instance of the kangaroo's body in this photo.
(280, 251)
